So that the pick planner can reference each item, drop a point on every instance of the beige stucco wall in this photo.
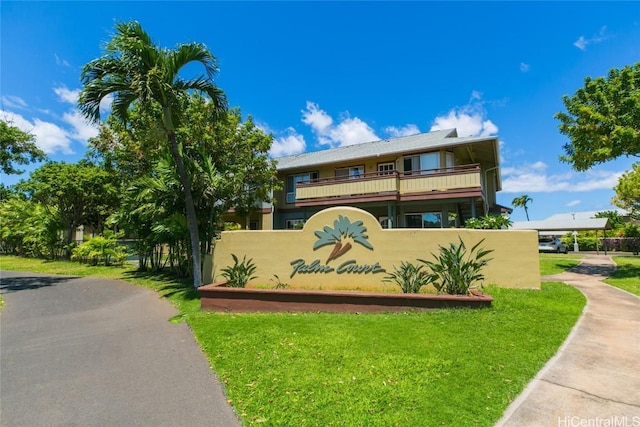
(515, 258)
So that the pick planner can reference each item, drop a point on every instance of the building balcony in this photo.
(430, 184)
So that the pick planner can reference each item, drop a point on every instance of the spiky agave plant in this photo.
(455, 272)
(240, 273)
(411, 278)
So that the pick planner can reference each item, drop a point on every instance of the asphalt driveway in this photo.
(96, 352)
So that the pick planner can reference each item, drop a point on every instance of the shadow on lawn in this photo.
(626, 272)
(15, 284)
(168, 285)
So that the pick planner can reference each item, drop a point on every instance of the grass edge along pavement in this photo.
(445, 367)
(627, 274)
(551, 264)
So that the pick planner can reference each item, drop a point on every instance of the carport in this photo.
(567, 223)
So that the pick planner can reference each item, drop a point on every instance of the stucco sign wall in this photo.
(345, 248)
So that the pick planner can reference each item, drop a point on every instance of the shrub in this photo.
(101, 249)
(232, 226)
(455, 272)
(239, 274)
(489, 222)
(409, 277)
(631, 230)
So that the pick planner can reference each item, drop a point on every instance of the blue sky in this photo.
(325, 74)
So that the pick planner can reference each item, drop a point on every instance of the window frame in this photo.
(291, 182)
(390, 171)
(422, 219)
(351, 172)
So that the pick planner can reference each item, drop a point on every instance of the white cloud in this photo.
(352, 131)
(82, 130)
(467, 123)
(396, 132)
(49, 137)
(10, 101)
(524, 67)
(573, 203)
(61, 61)
(535, 178)
(318, 119)
(293, 143)
(583, 42)
(348, 131)
(469, 119)
(67, 95)
(70, 96)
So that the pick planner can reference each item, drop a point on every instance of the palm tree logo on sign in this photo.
(343, 233)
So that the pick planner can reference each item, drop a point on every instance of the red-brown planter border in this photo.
(220, 298)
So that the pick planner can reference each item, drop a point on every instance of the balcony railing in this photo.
(389, 185)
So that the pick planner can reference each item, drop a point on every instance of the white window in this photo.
(450, 161)
(424, 163)
(293, 180)
(411, 164)
(386, 168)
(350, 173)
(429, 162)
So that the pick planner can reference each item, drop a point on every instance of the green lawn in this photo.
(627, 274)
(557, 263)
(448, 367)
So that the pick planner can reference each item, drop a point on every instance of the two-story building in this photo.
(433, 179)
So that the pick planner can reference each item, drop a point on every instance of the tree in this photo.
(522, 202)
(134, 69)
(226, 160)
(602, 119)
(81, 193)
(6, 192)
(17, 147)
(29, 228)
(628, 191)
(615, 219)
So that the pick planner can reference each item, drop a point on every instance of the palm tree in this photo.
(521, 202)
(134, 70)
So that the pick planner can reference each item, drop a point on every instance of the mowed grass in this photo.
(557, 263)
(627, 274)
(453, 367)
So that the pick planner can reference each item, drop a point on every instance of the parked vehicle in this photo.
(551, 244)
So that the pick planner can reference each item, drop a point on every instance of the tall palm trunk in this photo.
(192, 221)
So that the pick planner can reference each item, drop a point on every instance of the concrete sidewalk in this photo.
(594, 379)
(97, 352)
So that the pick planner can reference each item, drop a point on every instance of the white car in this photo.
(551, 244)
